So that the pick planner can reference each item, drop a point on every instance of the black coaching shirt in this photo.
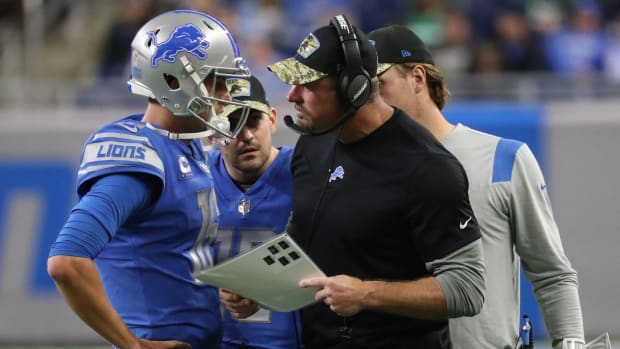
(378, 209)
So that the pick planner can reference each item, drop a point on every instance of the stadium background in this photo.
(544, 72)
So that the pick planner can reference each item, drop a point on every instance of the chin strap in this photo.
(183, 136)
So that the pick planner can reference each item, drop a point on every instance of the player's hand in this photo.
(343, 294)
(171, 344)
(239, 307)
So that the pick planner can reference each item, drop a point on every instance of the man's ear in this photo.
(419, 77)
(273, 119)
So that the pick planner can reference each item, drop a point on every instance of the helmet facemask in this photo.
(203, 106)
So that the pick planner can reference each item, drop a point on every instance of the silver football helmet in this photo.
(173, 54)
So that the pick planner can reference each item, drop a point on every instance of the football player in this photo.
(147, 215)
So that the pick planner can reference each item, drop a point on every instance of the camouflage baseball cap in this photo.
(249, 90)
(398, 44)
(320, 55)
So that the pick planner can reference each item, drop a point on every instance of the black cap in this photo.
(248, 90)
(320, 54)
(398, 44)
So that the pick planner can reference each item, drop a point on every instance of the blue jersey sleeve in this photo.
(102, 210)
(121, 147)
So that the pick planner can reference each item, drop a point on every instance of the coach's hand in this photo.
(343, 294)
(239, 307)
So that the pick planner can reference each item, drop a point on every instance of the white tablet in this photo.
(268, 274)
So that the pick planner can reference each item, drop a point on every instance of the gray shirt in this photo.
(509, 197)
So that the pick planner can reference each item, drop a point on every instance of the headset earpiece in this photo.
(354, 81)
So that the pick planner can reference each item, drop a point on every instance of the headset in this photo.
(354, 81)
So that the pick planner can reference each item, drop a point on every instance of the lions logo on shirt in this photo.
(337, 174)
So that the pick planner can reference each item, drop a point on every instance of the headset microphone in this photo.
(288, 121)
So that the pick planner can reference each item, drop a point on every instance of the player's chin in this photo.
(248, 165)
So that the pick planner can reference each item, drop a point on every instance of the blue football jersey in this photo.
(247, 220)
(147, 266)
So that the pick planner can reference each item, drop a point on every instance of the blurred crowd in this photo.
(566, 38)
(571, 37)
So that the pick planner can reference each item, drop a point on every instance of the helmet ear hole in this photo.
(208, 25)
(172, 82)
(149, 41)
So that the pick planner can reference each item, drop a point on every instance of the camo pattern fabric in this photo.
(230, 108)
(293, 72)
(383, 67)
